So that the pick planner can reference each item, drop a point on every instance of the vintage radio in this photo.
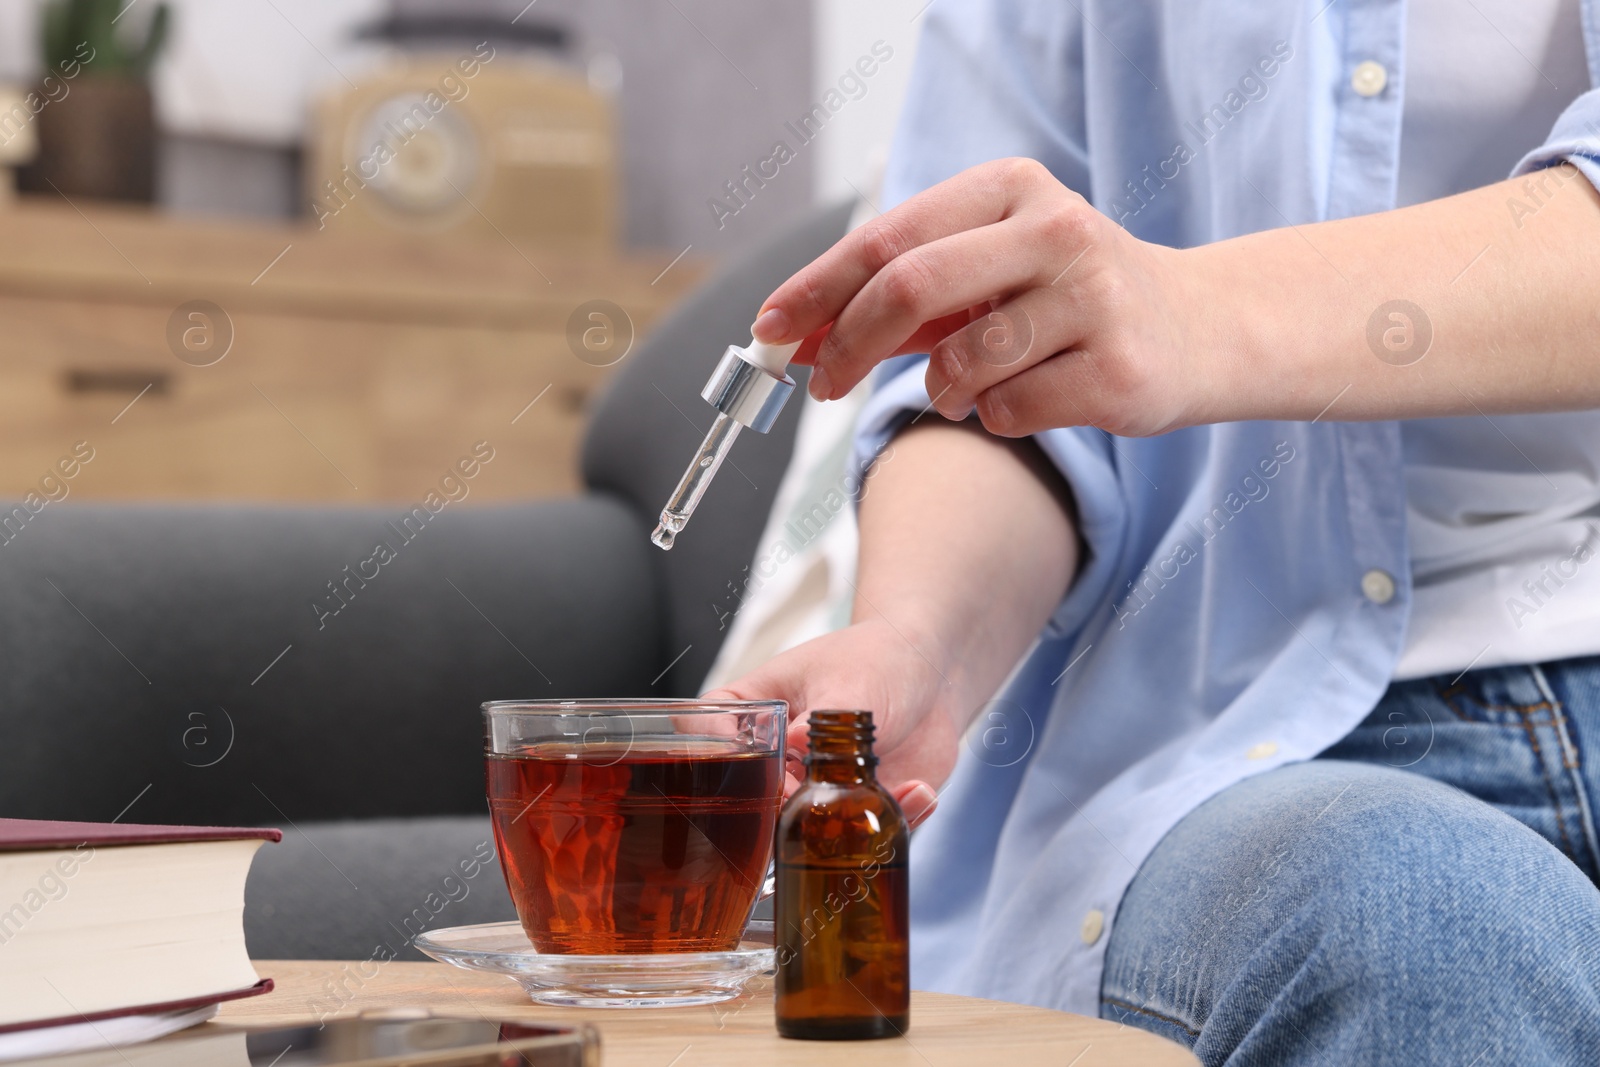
(474, 141)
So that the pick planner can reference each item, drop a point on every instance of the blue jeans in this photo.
(1424, 892)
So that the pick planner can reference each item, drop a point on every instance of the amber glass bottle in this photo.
(844, 966)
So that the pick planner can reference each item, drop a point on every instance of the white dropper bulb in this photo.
(774, 359)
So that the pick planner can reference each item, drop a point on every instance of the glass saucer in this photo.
(659, 980)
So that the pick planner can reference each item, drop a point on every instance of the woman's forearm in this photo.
(967, 546)
(1484, 302)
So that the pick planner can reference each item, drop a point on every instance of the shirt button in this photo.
(1377, 586)
(1369, 78)
(1094, 924)
(1261, 751)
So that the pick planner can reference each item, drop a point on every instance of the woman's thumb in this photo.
(767, 682)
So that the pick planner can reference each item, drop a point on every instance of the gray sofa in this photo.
(164, 664)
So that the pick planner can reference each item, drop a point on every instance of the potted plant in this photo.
(96, 118)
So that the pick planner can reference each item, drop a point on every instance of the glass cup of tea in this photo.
(634, 826)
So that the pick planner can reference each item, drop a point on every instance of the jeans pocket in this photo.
(1500, 735)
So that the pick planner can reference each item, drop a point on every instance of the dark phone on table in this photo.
(434, 1041)
(369, 1040)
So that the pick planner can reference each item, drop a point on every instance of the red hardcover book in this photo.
(101, 920)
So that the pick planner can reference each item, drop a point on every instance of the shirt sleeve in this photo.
(1575, 139)
(993, 79)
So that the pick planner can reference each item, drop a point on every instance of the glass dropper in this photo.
(748, 388)
(696, 480)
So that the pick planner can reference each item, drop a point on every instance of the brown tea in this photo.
(611, 850)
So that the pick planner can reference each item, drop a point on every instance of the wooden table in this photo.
(945, 1030)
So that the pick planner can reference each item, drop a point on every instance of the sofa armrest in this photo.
(363, 889)
(271, 665)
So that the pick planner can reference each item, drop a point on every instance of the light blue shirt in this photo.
(1246, 589)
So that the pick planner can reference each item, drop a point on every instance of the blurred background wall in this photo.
(703, 87)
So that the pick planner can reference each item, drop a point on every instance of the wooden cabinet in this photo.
(361, 366)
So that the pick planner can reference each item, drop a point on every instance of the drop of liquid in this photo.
(662, 538)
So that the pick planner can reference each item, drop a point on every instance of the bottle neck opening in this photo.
(841, 745)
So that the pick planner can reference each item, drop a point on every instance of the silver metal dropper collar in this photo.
(746, 393)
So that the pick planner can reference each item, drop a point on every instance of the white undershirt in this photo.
(1503, 512)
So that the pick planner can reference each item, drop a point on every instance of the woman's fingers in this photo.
(771, 682)
(806, 354)
(926, 336)
(917, 801)
(931, 333)
(781, 678)
(827, 672)
(817, 294)
(1000, 344)
(1068, 390)
(937, 279)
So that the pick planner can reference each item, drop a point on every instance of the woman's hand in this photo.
(942, 610)
(866, 666)
(1036, 309)
(1039, 312)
